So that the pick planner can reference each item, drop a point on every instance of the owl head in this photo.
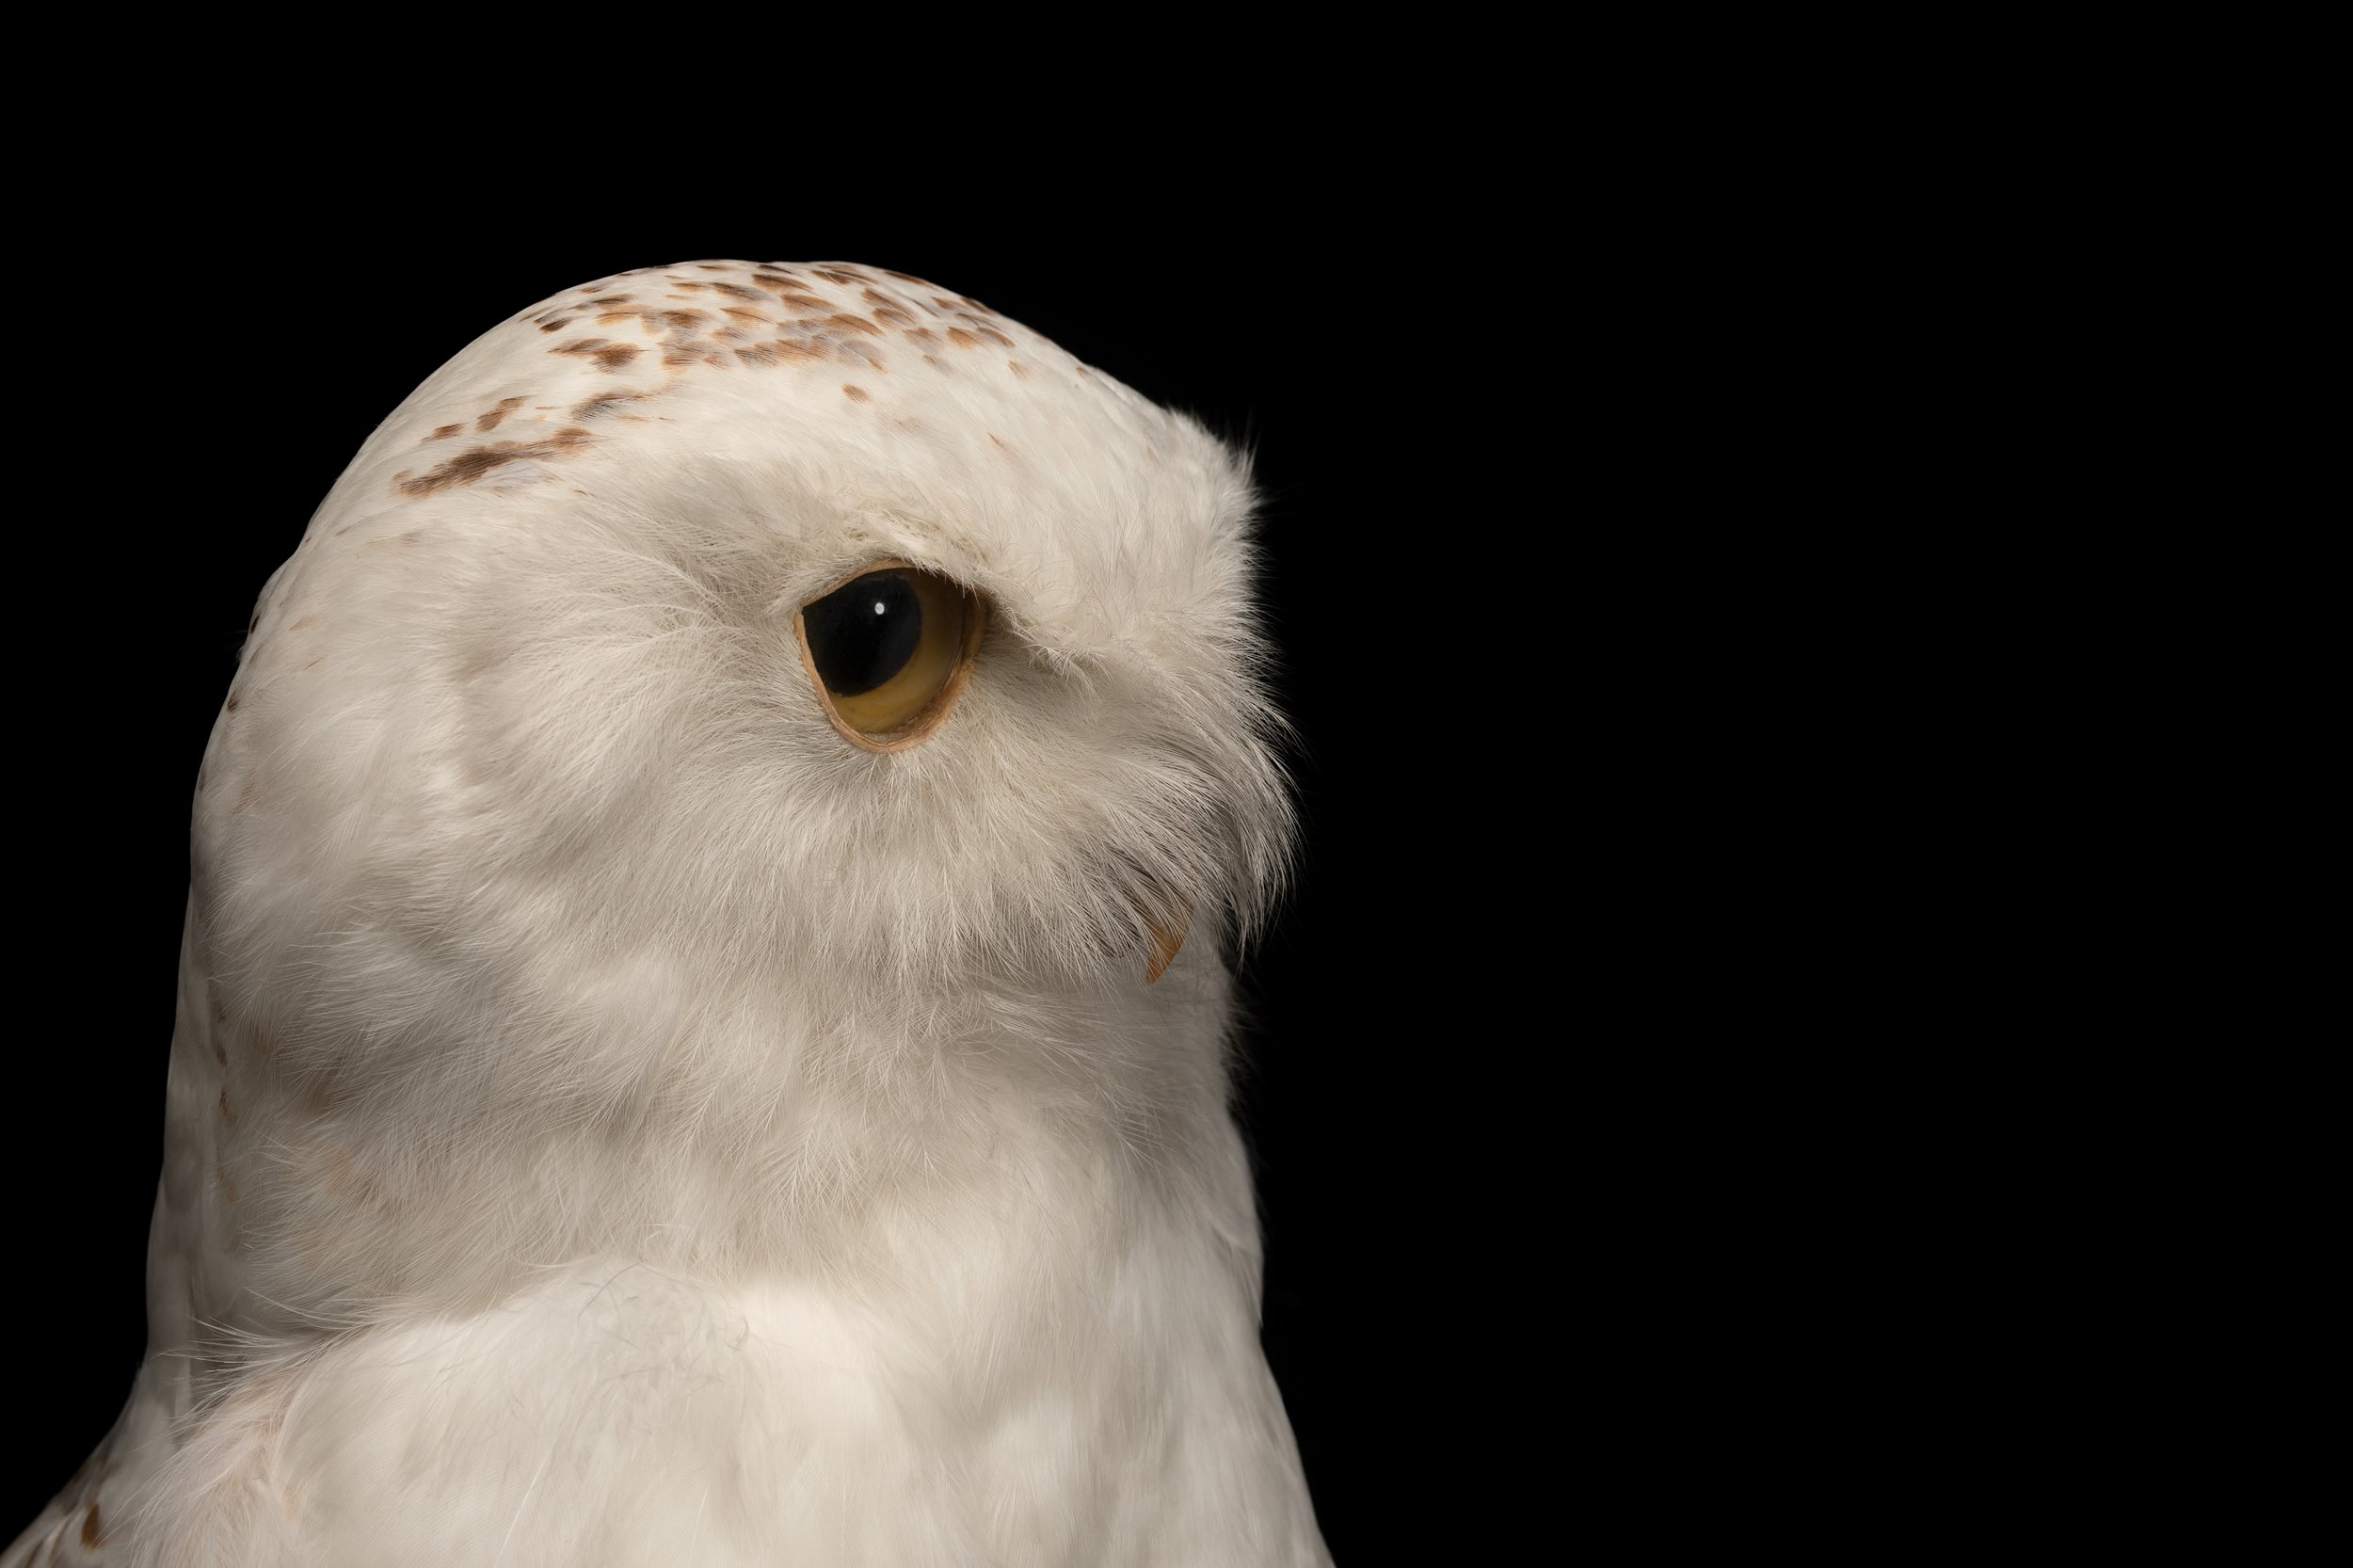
(721, 643)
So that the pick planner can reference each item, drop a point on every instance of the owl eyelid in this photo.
(889, 563)
(918, 726)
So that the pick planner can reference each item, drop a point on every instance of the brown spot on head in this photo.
(604, 403)
(975, 304)
(232, 702)
(442, 432)
(906, 278)
(92, 1531)
(849, 323)
(1000, 445)
(491, 421)
(608, 356)
(226, 1114)
(996, 337)
(737, 290)
(923, 335)
(1019, 369)
(837, 275)
(856, 395)
(713, 266)
(476, 461)
(962, 339)
(745, 314)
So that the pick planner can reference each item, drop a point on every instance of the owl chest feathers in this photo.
(617, 1414)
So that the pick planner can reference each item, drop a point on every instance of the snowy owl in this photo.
(703, 1017)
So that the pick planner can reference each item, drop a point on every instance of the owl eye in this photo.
(889, 650)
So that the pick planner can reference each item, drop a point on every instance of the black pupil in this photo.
(862, 635)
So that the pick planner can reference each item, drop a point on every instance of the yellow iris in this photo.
(888, 651)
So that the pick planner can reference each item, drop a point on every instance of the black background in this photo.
(224, 345)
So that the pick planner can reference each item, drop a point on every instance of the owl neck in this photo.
(1029, 1134)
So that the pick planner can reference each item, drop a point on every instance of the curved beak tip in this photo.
(1168, 934)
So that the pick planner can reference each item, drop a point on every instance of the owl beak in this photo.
(1168, 934)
